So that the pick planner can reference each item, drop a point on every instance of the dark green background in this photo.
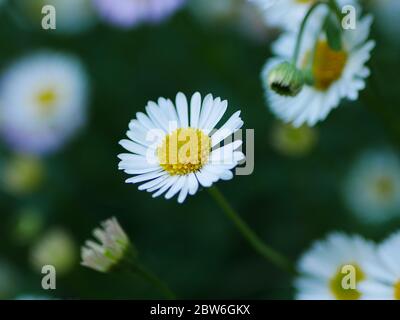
(289, 202)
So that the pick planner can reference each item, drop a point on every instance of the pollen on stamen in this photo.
(184, 151)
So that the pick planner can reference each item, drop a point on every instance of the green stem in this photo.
(332, 6)
(335, 8)
(302, 29)
(266, 252)
(154, 280)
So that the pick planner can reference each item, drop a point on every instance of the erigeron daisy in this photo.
(291, 141)
(42, 101)
(173, 148)
(288, 14)
(56, 248)
(248, 20)
(337, 74)
(383, 282)
(372, 189)
(324, 267)
(128, 13)
(113, 247)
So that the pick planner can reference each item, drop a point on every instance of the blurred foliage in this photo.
(289, 201)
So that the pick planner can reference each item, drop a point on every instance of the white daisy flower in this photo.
(114, 246)
(383, 282)
(173, 148)
(372, 189)
(337, 74)
(291, 141)
(42, 101)
(56, 248)
(288, 14)
(324, 267)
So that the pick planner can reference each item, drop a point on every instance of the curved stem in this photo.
(265, 251)
(302, 29)
(332, 5)
(154, 280)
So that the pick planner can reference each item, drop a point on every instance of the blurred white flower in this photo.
(56, 248)
(28, 223)
(72, 16)
(292, 141)
(372, 189)
(113, 248)
(383, 273)
(171, 147)
(336, 74)
(129, 13)
(288, 14)
(22, 174)
(323, 268)
(231, 13)
(42, 101)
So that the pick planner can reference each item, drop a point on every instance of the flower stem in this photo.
(302, 29)
(265, 251)
(332, 5)
(154, 280)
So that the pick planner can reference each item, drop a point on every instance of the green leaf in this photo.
(333, 32)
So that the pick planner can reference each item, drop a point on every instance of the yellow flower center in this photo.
(397, 290)
(46, 100)
(343, 283)
(305, 1)
(328, 65)
(184, 151)
(384, 187)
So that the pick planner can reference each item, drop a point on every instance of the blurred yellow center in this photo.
(46, 100)
(385, 187)
(397, 290)
(341, 283)
(328, 65)
(184, 151)
(305, 1)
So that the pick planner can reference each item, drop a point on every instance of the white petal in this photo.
(152, 183)
(182, 108)
(133, 147)
(170, 181)
(178, 185)
(195, 107)
(184, 190)
(193, 184)
(146, 176)
(205, 109)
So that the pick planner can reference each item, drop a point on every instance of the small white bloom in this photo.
(56, 248)
(42, 101)
(383, 281)
(291, 141)
(324, 267)
(337, 74)
(372, 190)
(288, 14)
(114, 246)
(173, 149)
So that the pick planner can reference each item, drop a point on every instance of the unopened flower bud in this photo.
(113, 249)
(286, 80)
